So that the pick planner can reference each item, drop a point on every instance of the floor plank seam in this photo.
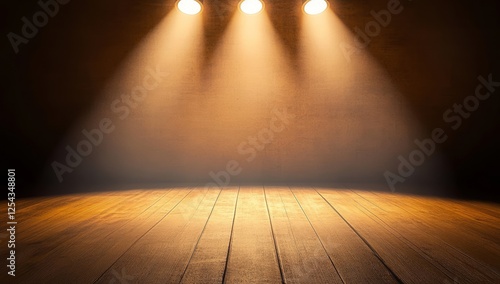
(230, 237)
(317, 235)
(408, 242)
(139, 238)
(199, 237)
(450, 246)
(158, 200)
(289, 222)
(280, 265)
(396, 277)
(125, 223)
(67, 240)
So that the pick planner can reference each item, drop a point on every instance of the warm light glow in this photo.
(251, 6)
(173, 47)
(325, 36)
(314, 7)
(190, 7)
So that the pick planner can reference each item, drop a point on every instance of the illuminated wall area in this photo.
(272, 115)
(287, 92)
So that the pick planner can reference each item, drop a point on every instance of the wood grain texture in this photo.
(418, 234)
(403, 259)
(303, 257)
(161, 255)
(468, 230)
(208, 262)
(355, 260)
(252, 256)
(254, 235)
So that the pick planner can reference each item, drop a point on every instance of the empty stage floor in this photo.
(254, 234)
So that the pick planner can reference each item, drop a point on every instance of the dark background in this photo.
(433, 53)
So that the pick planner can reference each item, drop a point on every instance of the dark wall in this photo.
(351, 122)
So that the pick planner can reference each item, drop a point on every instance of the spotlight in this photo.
(314, 7)
(251, 6)
(190, 7)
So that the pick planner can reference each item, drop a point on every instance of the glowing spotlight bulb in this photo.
(190, 7)
(251, 6)
(314, 7)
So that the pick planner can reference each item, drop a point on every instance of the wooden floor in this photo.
(254, 235)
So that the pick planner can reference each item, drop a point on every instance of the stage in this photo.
(254, 235)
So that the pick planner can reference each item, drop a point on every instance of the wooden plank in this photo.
(457, 212)
(79, 212)
(39, 236)
(454, 215)
(416, 233)
(32, 205)
(301, 253)
(98, 246)
(208, 262)
(459, 231)
(354, 260)
(486, 208)
(47, 235)
(405, 261)
(162, 254)
(252, 256)
(36, 207)
(486, 225)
